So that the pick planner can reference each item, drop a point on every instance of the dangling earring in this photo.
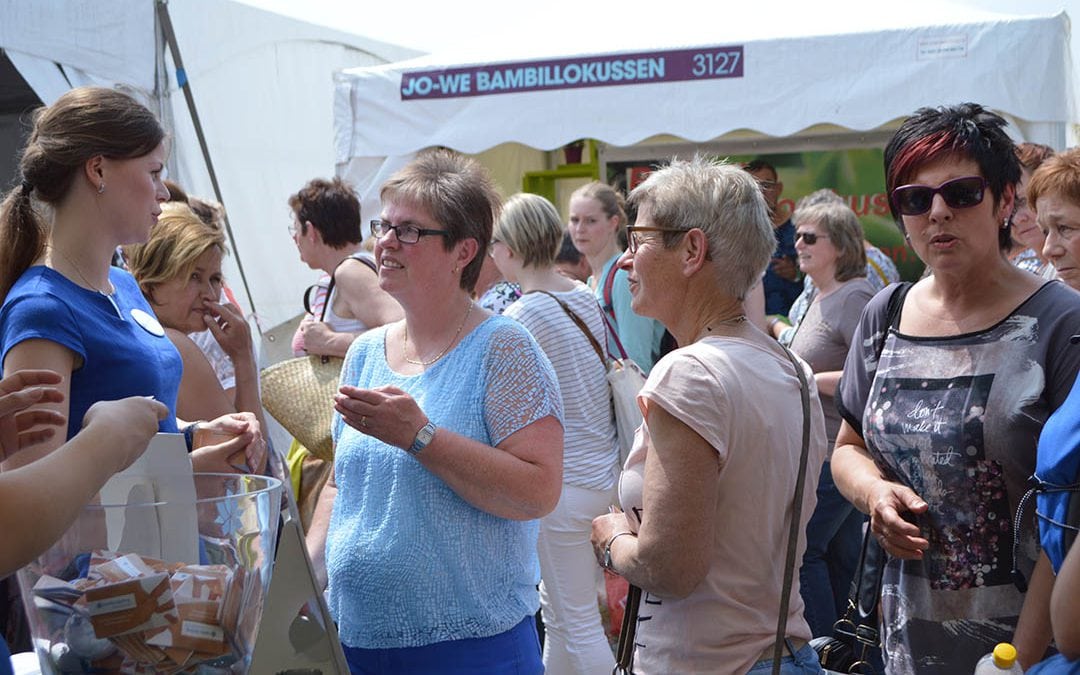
(1005, 224)
(101, 188)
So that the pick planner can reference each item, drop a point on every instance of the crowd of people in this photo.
(476, 492)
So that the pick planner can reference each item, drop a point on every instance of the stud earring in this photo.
(101, 188)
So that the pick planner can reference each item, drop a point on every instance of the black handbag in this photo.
(856, 635)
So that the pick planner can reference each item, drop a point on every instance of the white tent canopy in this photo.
(263, 90)
(844, 89)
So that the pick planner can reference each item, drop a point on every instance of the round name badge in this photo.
(148, 322)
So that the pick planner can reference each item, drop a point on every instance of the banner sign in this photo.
(593, 71)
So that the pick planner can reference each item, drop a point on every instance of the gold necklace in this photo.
(81, 275)
(421, 362)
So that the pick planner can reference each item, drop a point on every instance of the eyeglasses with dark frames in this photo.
(406, 234)
(634, 238)
(958, 193)
(810, 238)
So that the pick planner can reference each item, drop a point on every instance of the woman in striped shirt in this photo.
(564, 317)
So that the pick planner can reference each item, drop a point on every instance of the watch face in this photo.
(426, 434)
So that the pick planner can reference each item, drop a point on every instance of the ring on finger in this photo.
(363, 421)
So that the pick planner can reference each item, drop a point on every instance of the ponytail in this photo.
(22, 236)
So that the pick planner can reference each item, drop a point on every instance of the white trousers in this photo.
(574, 642)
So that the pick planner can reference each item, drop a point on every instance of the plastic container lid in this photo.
(1004, 655)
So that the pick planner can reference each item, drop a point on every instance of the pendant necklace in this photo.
(421, 362)
(107, 296)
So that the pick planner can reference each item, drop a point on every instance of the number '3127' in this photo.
(712, 64)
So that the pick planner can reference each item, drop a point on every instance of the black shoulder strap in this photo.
(892, 314)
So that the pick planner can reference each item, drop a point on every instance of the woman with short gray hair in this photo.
(716, 458)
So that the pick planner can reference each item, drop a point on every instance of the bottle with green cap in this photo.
(1001, 660)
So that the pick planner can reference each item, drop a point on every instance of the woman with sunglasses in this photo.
(829, 246)
(448, 449)
(944, 392)
(707, 489)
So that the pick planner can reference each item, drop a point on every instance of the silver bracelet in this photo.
(607, 562)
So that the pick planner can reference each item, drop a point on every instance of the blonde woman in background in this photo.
(179, 272)
(527, 238)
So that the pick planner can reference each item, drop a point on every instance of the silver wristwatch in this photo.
(423, 437)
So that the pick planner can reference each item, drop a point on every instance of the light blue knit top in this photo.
(410, 563)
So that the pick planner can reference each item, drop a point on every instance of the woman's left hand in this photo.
(230, 329)
(604, 528)
(386, 413)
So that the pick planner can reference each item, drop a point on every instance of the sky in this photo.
(483, 26)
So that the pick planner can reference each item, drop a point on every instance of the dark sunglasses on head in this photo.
(958, 193)
(809, 237)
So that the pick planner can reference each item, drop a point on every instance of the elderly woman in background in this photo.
(829, 244)
(1027, 238)
(565, 319)
(707, 490)
(1054, 192)
(448, 448)
(943, 395)
(179, 273)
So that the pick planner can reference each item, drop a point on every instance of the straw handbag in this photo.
(299, 392)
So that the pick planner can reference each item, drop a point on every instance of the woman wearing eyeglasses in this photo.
(707, 489)
(448, 448)
(829, 246)
(943, 395)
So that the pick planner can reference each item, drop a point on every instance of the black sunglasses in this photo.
(810, 237)
(958, 193)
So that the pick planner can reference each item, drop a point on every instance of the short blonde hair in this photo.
(531, 227)
(176, 241)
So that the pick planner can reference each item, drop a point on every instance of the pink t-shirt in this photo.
(743, 399)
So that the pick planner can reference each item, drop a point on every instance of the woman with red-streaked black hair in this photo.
(943, 395)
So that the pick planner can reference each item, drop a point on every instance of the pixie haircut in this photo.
(964, 131)
(840, 224)
(176, 241)
(725, 203)
(1059, 175)
(332, 207)
(611, 200)
(531, 227)
(457, 193)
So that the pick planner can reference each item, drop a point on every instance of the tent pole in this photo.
(181, 78)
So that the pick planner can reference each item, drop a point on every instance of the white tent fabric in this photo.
(263, 88)
(788, 87)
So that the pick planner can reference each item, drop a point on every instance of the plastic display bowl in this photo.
(169, 586)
